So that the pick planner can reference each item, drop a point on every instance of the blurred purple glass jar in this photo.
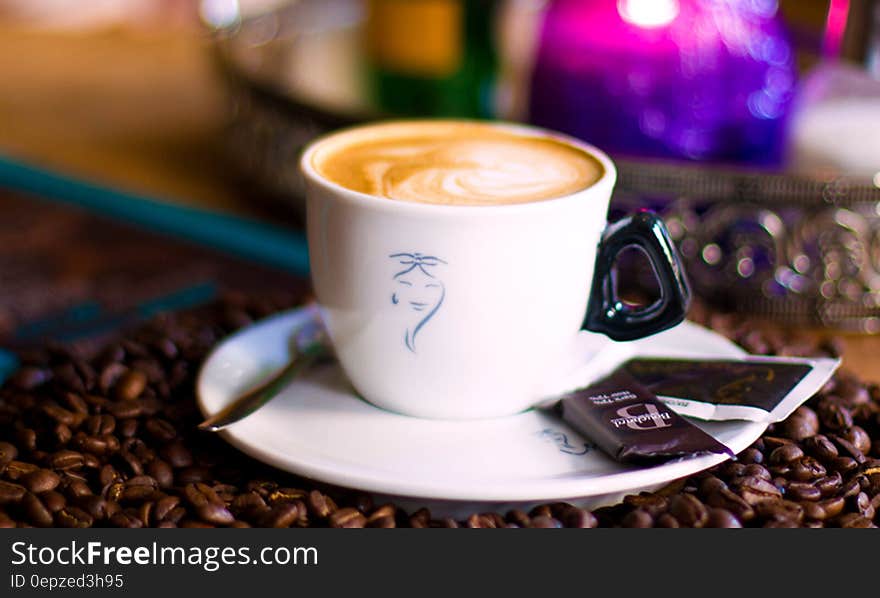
(690, 79)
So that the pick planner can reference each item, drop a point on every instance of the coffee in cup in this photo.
(456, 262)
(455, 163)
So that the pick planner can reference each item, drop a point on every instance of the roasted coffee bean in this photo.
(164, 506)
(73, 517)
(360, 501)
(177, 454)
(834, 416)
(36, 511)
(721, 518)
(76, 404)
(751, 455)
(538, 522)
(758, 471)
(30, 377)
(773, 442)
(193, 524)
(806, 469)
(385, 522)
(844, 465)
(41, 480)
(850, 488)
(848, 449)
(638, 518)
(65, 375)
(73, 487)
(755, 490)
(710, 484)
(66, 459)
(130, 385)
(785, 454)
(94, 445)
(11, 493)
(114, 491)
(829, 484)
(851, 394)
(108, 377)
(319, 505)
(53, 500)
(108, 475)
(215, 514)
(99, 425)
(192, 475)
(779, 510)
(161, 472)
(820, 447)
(160, 429)
(389, 510)
(137, 494)
(26, 438)
(128, 520)
(347, 517)
(249, 501)
(422, 518)
(800, 491)
(861, 504)
(653, 504)
(131, 463)
(6, 522)
(286, 495)
(58, 413)
(854, 521)
(688, 510)
(781, 524)
(813, 511)
(724, 498)
(8, 452)
(97, 507)
(859, 439)
(666, 520)
(518, 518)
(833, 506)
(199, 495)
(62, 434)
(801, 424)
(127, 428)
(126, 409)
(579, 518)
(541, 511)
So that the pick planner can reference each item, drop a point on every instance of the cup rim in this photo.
(366, 200)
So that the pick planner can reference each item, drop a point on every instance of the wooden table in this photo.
(143, 111)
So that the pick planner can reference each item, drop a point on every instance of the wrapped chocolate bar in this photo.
(761, 389)
(630, 424)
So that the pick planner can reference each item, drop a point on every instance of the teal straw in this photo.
(270, 245)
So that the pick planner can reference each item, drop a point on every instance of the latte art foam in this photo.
(455, 164)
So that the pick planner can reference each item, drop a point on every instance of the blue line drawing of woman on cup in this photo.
(417, 288)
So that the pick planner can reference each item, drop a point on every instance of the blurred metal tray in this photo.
(798, 249)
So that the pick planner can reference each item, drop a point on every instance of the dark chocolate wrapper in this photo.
(753, 388)
(629, 423)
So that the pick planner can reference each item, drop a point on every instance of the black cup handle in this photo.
(606, 313)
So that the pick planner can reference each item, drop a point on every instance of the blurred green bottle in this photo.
(433, 57)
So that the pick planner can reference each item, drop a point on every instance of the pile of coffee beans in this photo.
(109, 440)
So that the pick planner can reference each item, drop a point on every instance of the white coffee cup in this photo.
(496, 297)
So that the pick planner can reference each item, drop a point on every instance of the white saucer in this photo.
(319, 428)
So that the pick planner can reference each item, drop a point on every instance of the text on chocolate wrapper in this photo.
(653, 417)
